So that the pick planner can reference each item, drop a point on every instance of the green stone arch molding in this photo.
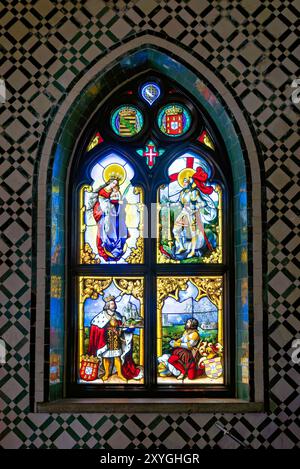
(51, 179)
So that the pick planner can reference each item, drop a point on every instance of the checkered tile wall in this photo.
(253, 46)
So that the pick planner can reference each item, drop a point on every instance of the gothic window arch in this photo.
(151, 271)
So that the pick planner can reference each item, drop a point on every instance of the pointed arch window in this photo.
(150, 250)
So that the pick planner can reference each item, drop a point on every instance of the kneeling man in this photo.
(185, 356)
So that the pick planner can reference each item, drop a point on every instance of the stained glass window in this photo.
(174, 120)
(111, 209)
(189, 330)
(190, 213)
(150, 273)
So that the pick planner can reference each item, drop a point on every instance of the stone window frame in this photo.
(55, 157)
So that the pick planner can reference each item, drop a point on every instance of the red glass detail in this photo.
(89, 369)
(202, 136)
(100, 138)
(174, 124)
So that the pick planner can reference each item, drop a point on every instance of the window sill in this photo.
(188, 406)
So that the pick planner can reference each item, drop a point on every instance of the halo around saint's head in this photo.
(186, 173)
(114, 171)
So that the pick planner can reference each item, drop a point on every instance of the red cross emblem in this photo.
(150, 153)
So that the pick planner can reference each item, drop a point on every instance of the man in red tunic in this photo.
(112, 343)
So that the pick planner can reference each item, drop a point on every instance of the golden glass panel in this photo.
(111, 215)
(189, 214)
(190, 330)
(111, 330)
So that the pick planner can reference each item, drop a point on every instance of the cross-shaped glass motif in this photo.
(150, 152)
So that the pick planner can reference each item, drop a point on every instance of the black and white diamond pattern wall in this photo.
(44, 47)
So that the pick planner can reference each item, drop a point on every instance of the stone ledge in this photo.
(146, 405)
